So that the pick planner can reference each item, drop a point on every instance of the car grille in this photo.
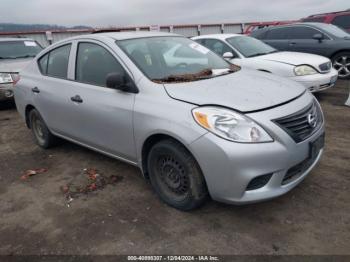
(302, 124)
(326, 67)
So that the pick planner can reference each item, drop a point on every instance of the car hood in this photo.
(245, 91)
(13, 65)
(295, 58)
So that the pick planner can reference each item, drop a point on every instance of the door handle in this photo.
(292, 43)
(76, 99)
(36, 90)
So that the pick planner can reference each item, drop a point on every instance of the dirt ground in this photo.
(128, 218)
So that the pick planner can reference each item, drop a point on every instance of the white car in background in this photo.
(312, 71)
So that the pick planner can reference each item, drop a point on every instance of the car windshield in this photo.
(249, 46)
(174, 59)
(335, 30)
(19, 49)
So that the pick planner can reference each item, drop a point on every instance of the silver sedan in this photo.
(15, 54)
(194, 124)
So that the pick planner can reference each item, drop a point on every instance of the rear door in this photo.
(101, 117)
(51, 88)
(277, 37)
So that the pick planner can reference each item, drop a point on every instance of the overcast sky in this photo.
(100, 13)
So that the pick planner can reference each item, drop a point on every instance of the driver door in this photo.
(100, 117)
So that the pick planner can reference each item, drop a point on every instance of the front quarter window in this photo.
(164, 58)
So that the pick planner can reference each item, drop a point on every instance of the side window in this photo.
(277, 34)
(43, 64)
(200, 41)
(58, 62)
(217, 46)
(94, 63)
(342, 21)
(301, 32)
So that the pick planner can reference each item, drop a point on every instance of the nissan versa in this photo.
(194, 124)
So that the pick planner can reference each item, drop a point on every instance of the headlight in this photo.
(304, 70)
(230, 125)
(5, 78)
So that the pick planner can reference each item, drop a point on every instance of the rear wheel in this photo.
(41, 133)
(176, 176)
(341, 62)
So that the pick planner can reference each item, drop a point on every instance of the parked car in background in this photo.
(195, 126)
(15, 54)
(315, 38)
(340, 19)
(260, 25)
(312, 71)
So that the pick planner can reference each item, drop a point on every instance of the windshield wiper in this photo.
(24, 56)
(16, 57)
(204, 74)
(6, 57)
(257, 54)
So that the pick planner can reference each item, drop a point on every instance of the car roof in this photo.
(216, 36)
(126, 35)
(15, 39)
(330, 14)
(314, 24)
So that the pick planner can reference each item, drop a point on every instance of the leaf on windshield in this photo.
(234, 68)
(184, 77)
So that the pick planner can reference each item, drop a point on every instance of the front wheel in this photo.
(176, 176)
(341, 63)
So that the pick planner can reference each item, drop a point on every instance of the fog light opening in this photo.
(258, 182)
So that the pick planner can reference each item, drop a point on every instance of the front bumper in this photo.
(6, 92)
(318, 82)
(229, 167)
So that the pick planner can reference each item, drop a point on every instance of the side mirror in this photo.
(120, 82)
(228, 55)
(318, 37)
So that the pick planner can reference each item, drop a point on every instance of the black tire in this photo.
(341, 63)
(41, 133)
(176, 176)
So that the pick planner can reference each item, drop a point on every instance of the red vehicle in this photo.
(255, 26)
(341, 19)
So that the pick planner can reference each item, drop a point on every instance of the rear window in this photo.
(19, 49)
(342, 21)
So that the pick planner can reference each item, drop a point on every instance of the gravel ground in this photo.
(127, 217)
